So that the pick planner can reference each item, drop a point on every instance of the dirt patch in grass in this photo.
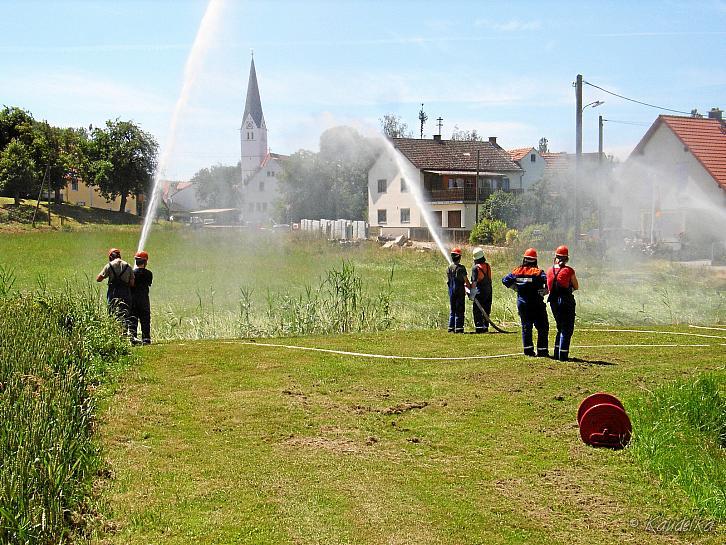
(337, 445)
(405, 407)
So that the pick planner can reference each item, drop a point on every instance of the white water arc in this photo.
(201, 44)
(412, 177)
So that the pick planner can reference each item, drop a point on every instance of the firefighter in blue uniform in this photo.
(457, 282)
(531, 285)
(481, 290)
(561, 282)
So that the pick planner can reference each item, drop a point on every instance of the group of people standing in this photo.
(532, 284)
(128, 293)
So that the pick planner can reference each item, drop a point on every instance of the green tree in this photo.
(218, 186)
(17, 170)
(394, 127)
(15, 124)
(332, 183)
(501, 205)
(461, 134)
(543, 146)
(120, 160)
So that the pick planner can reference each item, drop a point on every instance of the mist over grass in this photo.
(226, 283)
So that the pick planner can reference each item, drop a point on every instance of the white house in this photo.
(445, 171)
(531, 163)
(259, 168)
(675, 180)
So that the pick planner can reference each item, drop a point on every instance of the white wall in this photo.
(393, 200)
(253, 146)
(259, 204)
(671, 176)
(533, 170)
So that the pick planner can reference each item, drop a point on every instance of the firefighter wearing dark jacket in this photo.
(531, 285)
(120, 281)
(481, 290)
(561, 282)
(140, 305)
(457, 282)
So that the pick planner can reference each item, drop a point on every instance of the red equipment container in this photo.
(603, 422)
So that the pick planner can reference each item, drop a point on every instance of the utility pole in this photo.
(422, 117)
(578, 152)
(600, 177)
(476, 189)
(440, 123)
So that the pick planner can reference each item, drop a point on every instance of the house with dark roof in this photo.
(444, 172)
(676, 180)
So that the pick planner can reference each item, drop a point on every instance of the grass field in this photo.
(224, 442)
(208, 282)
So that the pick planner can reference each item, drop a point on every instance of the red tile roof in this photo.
(704, 137)
(431, 154)
(519, 153)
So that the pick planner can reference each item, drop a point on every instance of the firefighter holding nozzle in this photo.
(530, 282)
(457, 282)
(480, 291)
(561, 282)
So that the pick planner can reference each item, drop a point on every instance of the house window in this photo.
(404, 186)
(262, 186)
(405, 215)
(382, 186)
(381, 217)
(505, 184)
(533, 158)
(74, 185)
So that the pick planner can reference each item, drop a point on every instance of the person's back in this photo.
(141, 305)
(457, 282)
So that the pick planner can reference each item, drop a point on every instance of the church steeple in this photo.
(253, 132)
(253, 104)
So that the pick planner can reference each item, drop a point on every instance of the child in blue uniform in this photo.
(457, 282)
(561, 282)
(531, 285)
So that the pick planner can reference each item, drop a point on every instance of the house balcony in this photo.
(460, 194)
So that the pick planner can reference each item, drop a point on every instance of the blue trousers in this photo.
(563, 309)
(534, 315)
(456, 313)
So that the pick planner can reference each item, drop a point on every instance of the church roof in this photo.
(253, 104)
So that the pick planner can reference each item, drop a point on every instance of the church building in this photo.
(260, 169)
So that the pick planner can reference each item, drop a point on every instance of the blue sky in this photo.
(503, 68)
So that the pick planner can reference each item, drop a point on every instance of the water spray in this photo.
(192, 67)
(412, 177)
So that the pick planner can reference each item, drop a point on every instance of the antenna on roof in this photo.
(440, 124)
(422, 117)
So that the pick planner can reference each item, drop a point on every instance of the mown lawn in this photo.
(224, 442)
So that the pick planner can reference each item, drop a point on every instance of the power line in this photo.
(636, 101)
(640, 123)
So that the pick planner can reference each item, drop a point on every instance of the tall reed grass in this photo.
(56, 348)
(340, 303)
(681, 436)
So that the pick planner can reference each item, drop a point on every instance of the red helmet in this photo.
(141, 255)
(530, 253)
(456, 251)
(113, 253)
(562, 251)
